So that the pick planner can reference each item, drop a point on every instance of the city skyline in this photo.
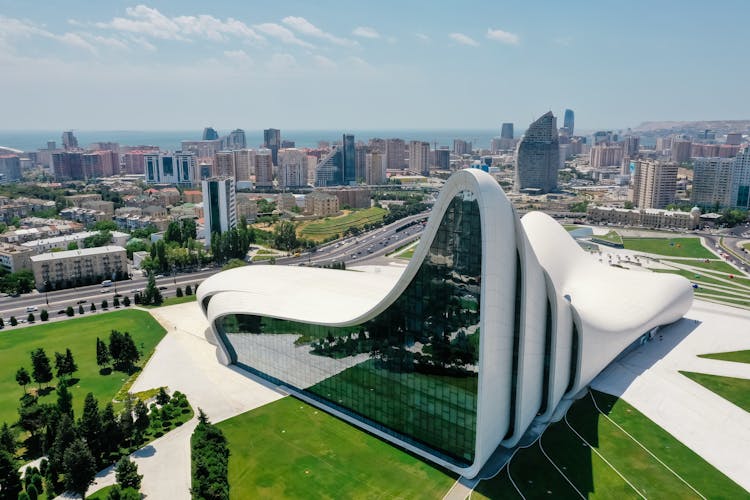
(167, 66)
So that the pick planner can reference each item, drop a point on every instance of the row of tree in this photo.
(120, 354)
(41, 371)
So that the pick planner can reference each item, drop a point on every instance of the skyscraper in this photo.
(681, 150)
(461, 147)
(506, 131)
(224, 165)
(741, 180)
(236, 140)
(264, 168)
(712, 182)
(395, 154)
(219, 206)
(442, 158)
(292, 168)
(375, 168)
(244, 164)
(654, 183)
(177, 168)
(272, 141)
(360, 161)
(419, 157)
(210, 134)
(569, 121)
(632, 144)
(348, 160)
(69, 140)
(538, 156)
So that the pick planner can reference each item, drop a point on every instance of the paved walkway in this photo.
(649, 379)
(186, 362)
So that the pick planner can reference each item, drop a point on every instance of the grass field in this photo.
(288, 449)
(672, 247)
(712, 265)
(597, 469)
(735, 356)
(80, 336)
(170, 301)
(330, 226)
(734, 390)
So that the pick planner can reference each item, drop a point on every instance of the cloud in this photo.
(239, 57)
(463, 39)
(149, 22)
(366, 32)
(324, 62)
(281, 62)
(423, 38)
(283, 34)
(112, 42)
(11, 28)
(503, 36)
(305, 27)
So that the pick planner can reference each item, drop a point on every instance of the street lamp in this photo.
(46, 291)
(174, 275)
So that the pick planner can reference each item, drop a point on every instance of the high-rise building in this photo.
(264, 168)
(569, 121)
(67, 165)
(461, 147)
(272, 141)
(605, 155)
(224, 165)
(219, 206)
(538, 156)
(734, 138)
(100, 164)
(287, 144)
(10, 168)
(681, 149)
(202, 149)
(348, 160)
(506, 131)
(712, 182)
(663, 144)
(328, 169)
(377, 145)
(442, 158)
(235, 140)
(631, 145)
(654, 183)
(69, 140)
(292, 168)
(741, 180)
(375, 169)
(177, 168)
(395, 154)
(360, 161)
(210, 134)
(419, 157)
(603, 136)
(244, 164)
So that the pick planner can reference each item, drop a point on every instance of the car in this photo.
(163, 287)
(158, 276)
(135, 290)
(83, 301)
(30, 309)
(118, 295)
(61, 311)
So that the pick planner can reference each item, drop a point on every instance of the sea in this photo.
(169, 140)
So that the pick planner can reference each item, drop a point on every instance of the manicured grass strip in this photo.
(734, 390)
(170, 301)
(288, 449)
(702, 277)
(673, 247)
(408, 254)
(735, 356)
(701, 475)
(320, 230)
(712, 265)
(100, 494)
(79, 335)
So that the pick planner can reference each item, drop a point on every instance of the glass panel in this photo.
(412, 370)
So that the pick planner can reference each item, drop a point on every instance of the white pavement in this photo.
(184, 361)
(649, 379)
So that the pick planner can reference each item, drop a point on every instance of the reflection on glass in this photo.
(412, 370)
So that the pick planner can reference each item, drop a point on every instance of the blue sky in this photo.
(376, 65)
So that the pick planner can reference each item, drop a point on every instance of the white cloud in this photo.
(11, 28)
(147, 21)
(143, 43)
(239, 57)
(423, 38)
(112, 42)
(366, 32)
(305, 27)
(463, 39)
(281, 62)
(324, 62)
(503, 36)
(283, 34)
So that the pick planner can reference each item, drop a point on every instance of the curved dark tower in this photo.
(538, 156)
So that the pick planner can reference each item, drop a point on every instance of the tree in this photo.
(92, 308)
(13, 321)
(69, 311)
(70, 363)
(116, 302)
(41, 370)
(10, 479)
(126, 420)
(126, 473)
(2, 323)
(178, 292)
(104, 225)
(151, 294)
(64, 438)
(141, 418)
(90, 425)
(64, 400)
(173, 233)
(102, 353)
(7, 440)
(65, 365)
(30, 318)
(188, 290)
(73, 245)
(32, 492)
(44, 315)
(23, 378)
(105, 304)
(110, 430)
(79, 468)
(162, 397)
(126, 301)
(80, 309)
(117, 493)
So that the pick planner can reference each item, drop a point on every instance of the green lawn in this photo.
(330, 226)
(589, 472)
(713, 265)
(407, 254)
(672, 247)
(100, 494)
(170, 301)
(612, 237)
(288, 449)
(79, 335)
(735, 356)
(734, 390)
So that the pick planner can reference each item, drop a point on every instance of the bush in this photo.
(13, 321)
(80, 309)
(30, 318)
(188, 290)
(179, 291)
(116, 302)
(126, 301)
(69, 311)
(44, 315)
(105, 304)
(93, 307)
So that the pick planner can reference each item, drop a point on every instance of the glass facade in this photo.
(412, 370)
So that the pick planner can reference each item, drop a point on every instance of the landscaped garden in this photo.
(735, 390)
(321, 230)
(671, 247)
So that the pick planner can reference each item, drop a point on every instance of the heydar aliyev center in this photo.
(494, 323)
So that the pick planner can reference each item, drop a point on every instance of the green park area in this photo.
(734, 390)
(711, 265)
(288, 449)
(321, 230)
(671, 247)
(79, 335)
(613, 453)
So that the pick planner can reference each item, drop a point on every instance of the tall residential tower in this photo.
(538, 156)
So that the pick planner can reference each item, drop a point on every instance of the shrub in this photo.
(44, 315)
(188, 290)
(69, 311)
(30, 318)
(105, 304)
(179, 291)
(126, 301)
(13, 321)
(80, 309)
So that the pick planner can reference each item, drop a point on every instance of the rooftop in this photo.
(84, 252)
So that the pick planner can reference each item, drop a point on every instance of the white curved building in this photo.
(493, 323)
